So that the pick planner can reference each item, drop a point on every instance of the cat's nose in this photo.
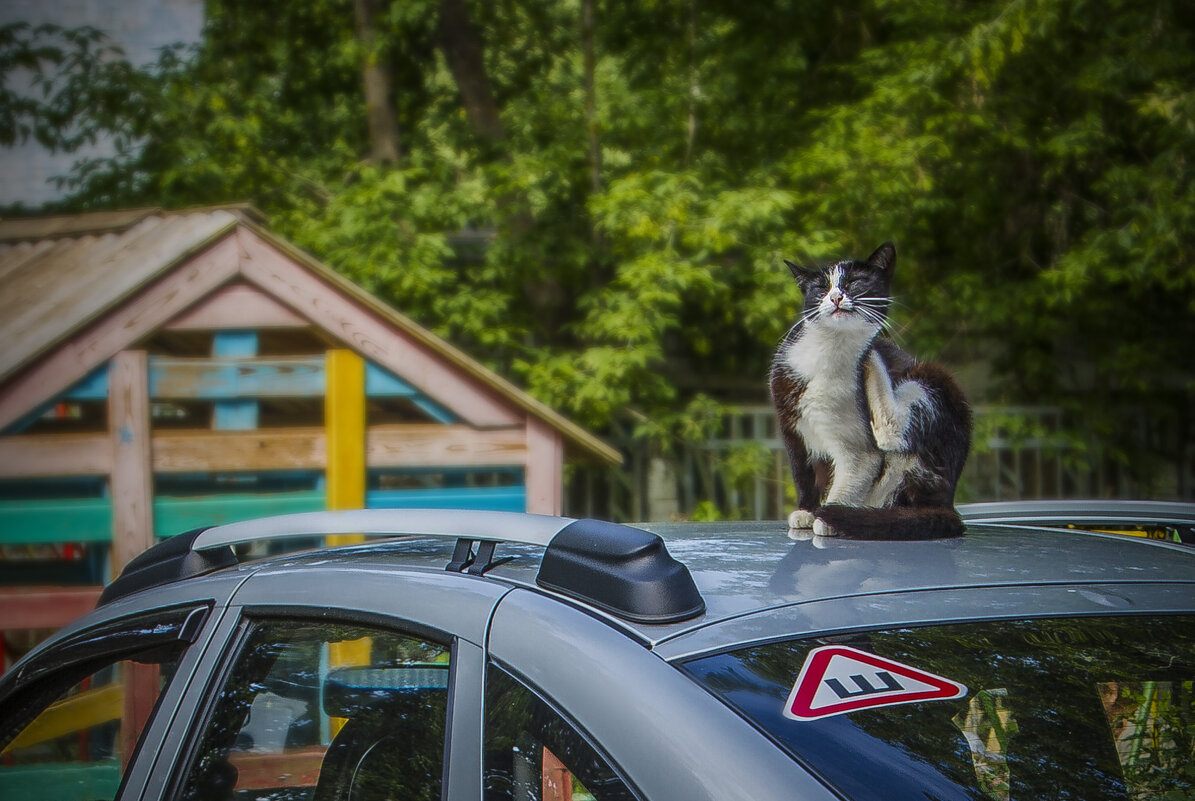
(835, 296)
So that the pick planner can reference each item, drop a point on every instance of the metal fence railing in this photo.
(1018, 452)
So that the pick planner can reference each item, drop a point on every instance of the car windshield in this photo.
(1083, 709)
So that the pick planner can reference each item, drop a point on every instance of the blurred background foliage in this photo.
(595, 197)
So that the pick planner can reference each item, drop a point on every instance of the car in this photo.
(447, 654)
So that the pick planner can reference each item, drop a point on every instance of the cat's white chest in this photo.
(828, 363)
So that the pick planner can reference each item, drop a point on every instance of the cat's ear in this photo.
(804, 275)
(884, 258)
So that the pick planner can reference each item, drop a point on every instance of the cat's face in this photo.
(851, 294)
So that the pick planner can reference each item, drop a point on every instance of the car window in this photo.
(1084, 709)
(73, 715)
(325, 711)
(533, 754)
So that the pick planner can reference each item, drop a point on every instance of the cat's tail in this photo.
(902, 523)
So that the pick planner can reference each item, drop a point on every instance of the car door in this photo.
(594, 706)
(338, 683)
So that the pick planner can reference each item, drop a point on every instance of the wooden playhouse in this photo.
(165, 370)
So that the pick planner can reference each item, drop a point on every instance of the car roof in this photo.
(742, 568)
(755, 582)
(746, 568)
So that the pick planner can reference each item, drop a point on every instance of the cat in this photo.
(876, 439)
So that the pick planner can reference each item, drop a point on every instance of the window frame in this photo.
(514, 675)
(35, 683)
(247, 620)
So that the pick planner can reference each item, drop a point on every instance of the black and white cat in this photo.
(876, 439)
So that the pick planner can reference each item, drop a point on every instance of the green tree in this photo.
(596, 197)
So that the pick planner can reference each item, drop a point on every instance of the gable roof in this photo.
(63, 278)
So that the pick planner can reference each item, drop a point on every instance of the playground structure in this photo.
(166, 370)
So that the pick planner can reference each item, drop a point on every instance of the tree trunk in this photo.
(595, 152)
(461, 42)
(383, 121)
(694, 85)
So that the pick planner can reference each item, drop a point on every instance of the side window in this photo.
(328, 712)
(72, 717)
(533, 754)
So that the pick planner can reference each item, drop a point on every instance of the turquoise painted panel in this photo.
(381, 383)
(434, 410)
(93, 387)
(56, 520)
(176, 515)
(493, 499)
(239, 415)
(234, 343)
(90, 519)
(60, 781)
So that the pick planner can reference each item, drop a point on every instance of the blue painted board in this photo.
(237, 415)
(233, 377)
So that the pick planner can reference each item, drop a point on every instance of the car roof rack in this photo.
(1096, 512)
(529, 529)
(622, 570)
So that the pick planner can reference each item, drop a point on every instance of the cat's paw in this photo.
(800, 518)
(888, 436)
(822, 529)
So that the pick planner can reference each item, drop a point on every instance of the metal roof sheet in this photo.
(53, 287)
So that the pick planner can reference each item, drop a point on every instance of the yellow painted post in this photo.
(344, 427)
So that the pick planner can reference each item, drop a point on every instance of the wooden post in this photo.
(545, 468)
(557, 781)
(131, 481)
(344, 422)
(131, 485)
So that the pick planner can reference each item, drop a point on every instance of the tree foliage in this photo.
(1031, 158)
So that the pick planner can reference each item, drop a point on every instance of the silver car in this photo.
(469, 655)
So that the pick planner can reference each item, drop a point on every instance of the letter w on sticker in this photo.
(836, 679)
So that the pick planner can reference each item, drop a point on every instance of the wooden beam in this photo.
(51, 455)
(254, 451)
(295, 767)
(44, 607)
(132, 474)
(145, 312)
(545, 468)
(247, 377)
(236, 306)
(390, 445)
(432, 445)
(380, 341)
(216, 379)
(141, 682)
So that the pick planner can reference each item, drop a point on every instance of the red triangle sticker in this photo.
(837, 678)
